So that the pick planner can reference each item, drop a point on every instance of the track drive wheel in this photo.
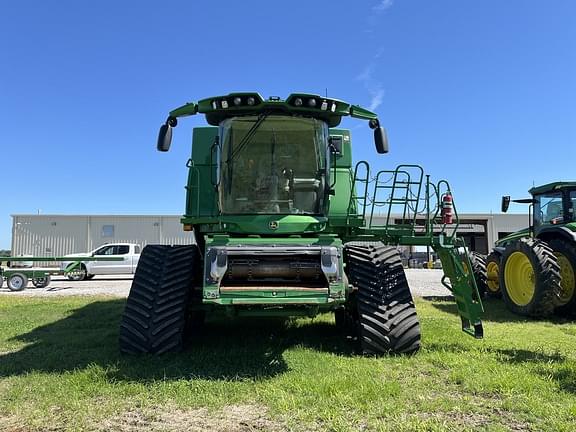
(381, 304)
(565, 252)
(478, 262)
(493, 275)
(530, 278)
(156, 317)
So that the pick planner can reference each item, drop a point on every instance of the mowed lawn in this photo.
(60, 369)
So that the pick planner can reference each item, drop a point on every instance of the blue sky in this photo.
(463, 88)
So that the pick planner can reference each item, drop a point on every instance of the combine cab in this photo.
(286, 225)
(534, 269)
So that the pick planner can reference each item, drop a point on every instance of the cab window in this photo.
(548, 208)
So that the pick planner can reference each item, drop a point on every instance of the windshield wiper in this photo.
(248, 136)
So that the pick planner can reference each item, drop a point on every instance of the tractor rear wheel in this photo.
(478, 262)
(156, 317)
(565, 252)
(530, 278)
(381, 304)
(493, 275)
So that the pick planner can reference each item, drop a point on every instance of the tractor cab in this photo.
(554, 203)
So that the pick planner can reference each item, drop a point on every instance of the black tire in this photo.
(530, 278)
(381, 303)
(89, 276)
(565, 252)
(41, 282)
(156, 315)
(478, 262)
(78, 275)
(493, 275)
(17, 282)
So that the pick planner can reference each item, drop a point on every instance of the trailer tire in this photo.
(17, 282)
(478, 262)
(530, 278)
(41, 282)
(157, 316)
(493, 275)
(381, 304)
(566, 254)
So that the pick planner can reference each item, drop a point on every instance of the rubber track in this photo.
(387, 319)
(478, 262)
(547, 273)
(154, 319)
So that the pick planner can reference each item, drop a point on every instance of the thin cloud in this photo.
(372, 85)
(382, 6)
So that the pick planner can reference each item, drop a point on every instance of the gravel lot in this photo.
(422, 283)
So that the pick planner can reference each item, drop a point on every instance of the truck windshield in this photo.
(273, 165)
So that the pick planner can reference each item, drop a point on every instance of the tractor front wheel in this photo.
(566, 254)
(530, 278)
(381, 305)
(493, 275)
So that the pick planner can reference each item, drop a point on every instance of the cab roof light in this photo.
(324, 105)
(312, 102)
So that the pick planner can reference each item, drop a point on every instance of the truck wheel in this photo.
(156, 315)
(78, 274)
(381, 305)
(41, 282)
(493, 275)
(478, 262)
(566, 254)
(17, 282)
(530, 278)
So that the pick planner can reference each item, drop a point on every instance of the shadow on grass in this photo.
(238, 349)
(494, 310)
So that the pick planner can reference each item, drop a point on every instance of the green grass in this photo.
(60, 370)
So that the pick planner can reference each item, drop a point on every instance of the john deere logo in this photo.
(273, 225)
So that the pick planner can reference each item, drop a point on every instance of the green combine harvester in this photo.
(534, 269)
(286, 225)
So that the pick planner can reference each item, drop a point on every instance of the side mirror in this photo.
(505, 203)
(381, 140)
(165, 134)
(164, 138)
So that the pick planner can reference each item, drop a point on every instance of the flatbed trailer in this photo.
(17, 277)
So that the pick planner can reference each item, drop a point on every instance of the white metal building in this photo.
(52, 235)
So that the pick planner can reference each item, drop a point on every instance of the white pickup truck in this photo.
(130, 253)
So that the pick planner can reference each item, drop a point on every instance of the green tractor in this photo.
(534, 269)
(285, 225)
